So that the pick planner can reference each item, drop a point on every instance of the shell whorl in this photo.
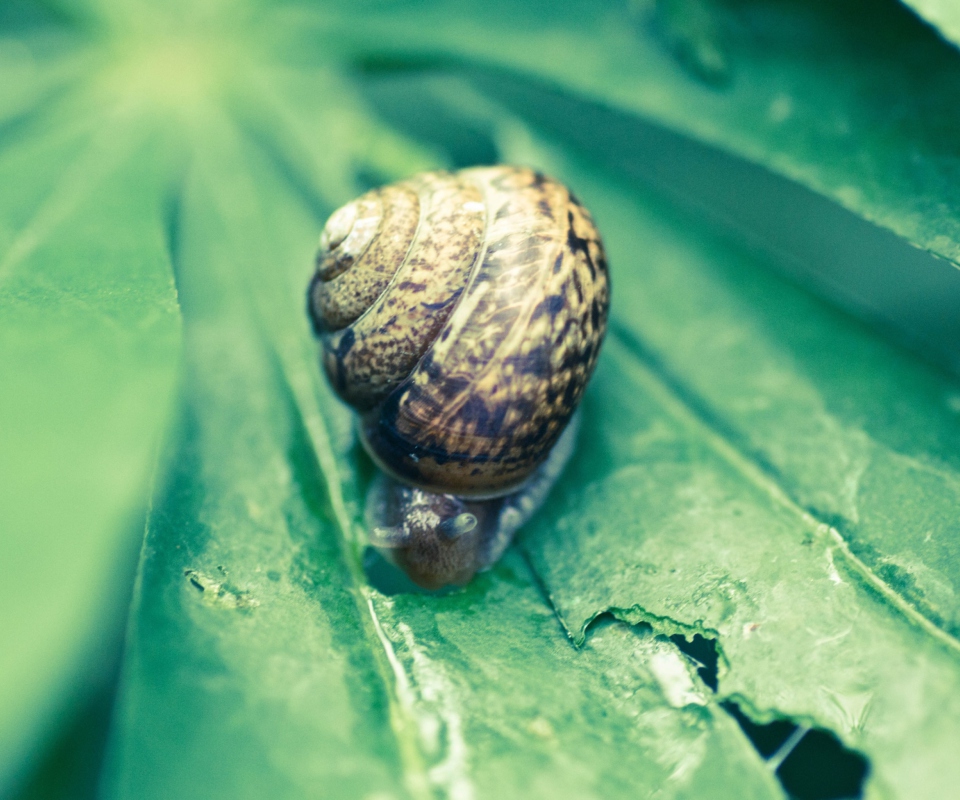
(461, 314)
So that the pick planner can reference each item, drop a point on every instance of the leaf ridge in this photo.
(303, 389)
(105, 151)
(290, 352)
(676, 399)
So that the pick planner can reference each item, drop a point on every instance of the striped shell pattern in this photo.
(461, 315)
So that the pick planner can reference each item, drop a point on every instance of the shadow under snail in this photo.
(461, 315)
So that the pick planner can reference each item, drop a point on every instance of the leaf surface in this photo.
(89, 347)
(809, 87)
(717, 542)
(247, 566)
(939, 14)
(859, 113)
(755, 467)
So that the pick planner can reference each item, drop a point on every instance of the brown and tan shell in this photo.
(461, 314)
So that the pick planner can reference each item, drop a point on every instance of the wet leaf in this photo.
(247, 567)
(757, 536)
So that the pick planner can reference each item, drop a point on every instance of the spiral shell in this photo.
(461, 314)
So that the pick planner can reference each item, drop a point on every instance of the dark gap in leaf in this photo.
(812, 240)
(408, 103)
(767, 738)
(608, 618)
(704, 652)
(599, 622)
(810, 763)
(814, 763)
(821, 768)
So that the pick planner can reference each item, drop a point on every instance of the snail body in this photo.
(461, 315)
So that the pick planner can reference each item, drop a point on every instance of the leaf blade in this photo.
(468, 735)
(90, 334)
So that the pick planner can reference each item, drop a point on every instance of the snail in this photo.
(460, 314)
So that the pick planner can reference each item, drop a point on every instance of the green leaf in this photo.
(268, 686)
(89, 345)
(859, 113)
(858, 435)
(243, 570)
(941, 15)
(36, 68)
(755, 468)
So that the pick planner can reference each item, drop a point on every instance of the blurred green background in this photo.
(747, 584)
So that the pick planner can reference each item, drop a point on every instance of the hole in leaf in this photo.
(767, 738)
(704, 652)
(608, 618)
(820, 768)
(811, 764)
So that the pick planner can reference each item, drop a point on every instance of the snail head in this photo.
(434, 538)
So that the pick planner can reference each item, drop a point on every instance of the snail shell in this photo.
(461, 315)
